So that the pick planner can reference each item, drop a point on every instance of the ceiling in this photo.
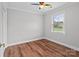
(26, 6)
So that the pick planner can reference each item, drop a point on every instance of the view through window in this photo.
(58, 23)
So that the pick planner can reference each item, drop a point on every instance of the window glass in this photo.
(58, 23)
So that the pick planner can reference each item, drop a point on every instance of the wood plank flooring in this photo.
(40, 48)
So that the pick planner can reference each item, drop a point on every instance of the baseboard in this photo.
(69, 46)
(33, 39)
(66, 45)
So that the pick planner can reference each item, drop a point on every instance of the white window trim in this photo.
(52, 29)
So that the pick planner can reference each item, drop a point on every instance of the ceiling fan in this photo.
(42, 5)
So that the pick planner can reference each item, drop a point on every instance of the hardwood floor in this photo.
(40, 48)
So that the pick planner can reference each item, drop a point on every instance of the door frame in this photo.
(4, 26)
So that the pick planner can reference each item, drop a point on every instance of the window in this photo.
(58, 23)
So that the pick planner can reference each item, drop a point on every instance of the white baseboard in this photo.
(66, 45)
(69, 46)
(23, 41)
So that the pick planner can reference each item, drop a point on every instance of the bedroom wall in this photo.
(71, 24)
(23, 26)
(0, 24)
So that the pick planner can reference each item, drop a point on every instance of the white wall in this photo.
(71, 35)
(0, 23)
(23, 26)
(1, 30)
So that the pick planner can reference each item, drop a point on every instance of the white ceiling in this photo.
(26, 6)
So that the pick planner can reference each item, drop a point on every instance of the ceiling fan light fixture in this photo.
(41, 6)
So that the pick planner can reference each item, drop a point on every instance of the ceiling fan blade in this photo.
(48, 5)
(35, 4)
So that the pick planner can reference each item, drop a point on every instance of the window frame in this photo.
(52, 25)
